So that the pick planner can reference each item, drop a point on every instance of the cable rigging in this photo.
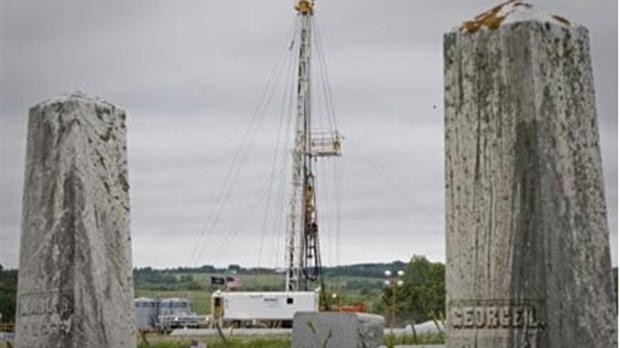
(303, 258)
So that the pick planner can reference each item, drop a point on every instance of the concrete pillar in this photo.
(528, 258)
(75, 276)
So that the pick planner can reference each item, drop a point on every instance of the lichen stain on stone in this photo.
(122, 179)
(567, 52)
(108, 134)
(561, 19)
(493, 18)
(489, 19)
(523, 4)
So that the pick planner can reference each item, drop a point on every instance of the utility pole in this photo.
(393, 282)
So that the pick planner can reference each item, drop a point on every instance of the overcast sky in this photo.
(190, 75)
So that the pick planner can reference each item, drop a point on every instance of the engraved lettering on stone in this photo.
(494, 317)
(468, 317)
(457, 318)
(505, 317)
(493, 320)
(480, 317)
(517, 317)
(531, 319)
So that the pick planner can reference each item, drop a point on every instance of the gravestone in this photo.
(337, 330)
(528, 258)
(75, 276)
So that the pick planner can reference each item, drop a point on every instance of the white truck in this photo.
(268, 309)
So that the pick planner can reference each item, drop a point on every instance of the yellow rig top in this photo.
(305, 7)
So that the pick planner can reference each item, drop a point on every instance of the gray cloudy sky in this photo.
(190, 74)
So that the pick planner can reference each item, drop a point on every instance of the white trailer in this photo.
(268, 308)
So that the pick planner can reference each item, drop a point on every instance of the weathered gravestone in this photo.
(337, 330)
(75, 277)
(528, 259)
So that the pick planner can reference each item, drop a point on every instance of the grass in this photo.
(391, 341)
(162, 341)
(275, 281)
(215, 342)
(272, 342)
(253, 282)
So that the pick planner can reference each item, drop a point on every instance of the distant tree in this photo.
(194, 286)
(8, 294)
(234, 268)
(186, 278)
(208, 268)
(367, 270)
(422, 295)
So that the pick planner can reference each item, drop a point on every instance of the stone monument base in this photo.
(337, 330)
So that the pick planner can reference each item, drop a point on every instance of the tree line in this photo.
(367, 270)
(420, 298)
(8, 294)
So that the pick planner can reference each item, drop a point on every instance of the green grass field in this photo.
(253, 282)
(163, 341)
(215, 342)
(249, 280)
(349, 289)
(159, 341)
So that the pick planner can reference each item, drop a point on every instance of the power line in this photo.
(236, 163)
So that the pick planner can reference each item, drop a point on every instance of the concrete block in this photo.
(337, 330)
